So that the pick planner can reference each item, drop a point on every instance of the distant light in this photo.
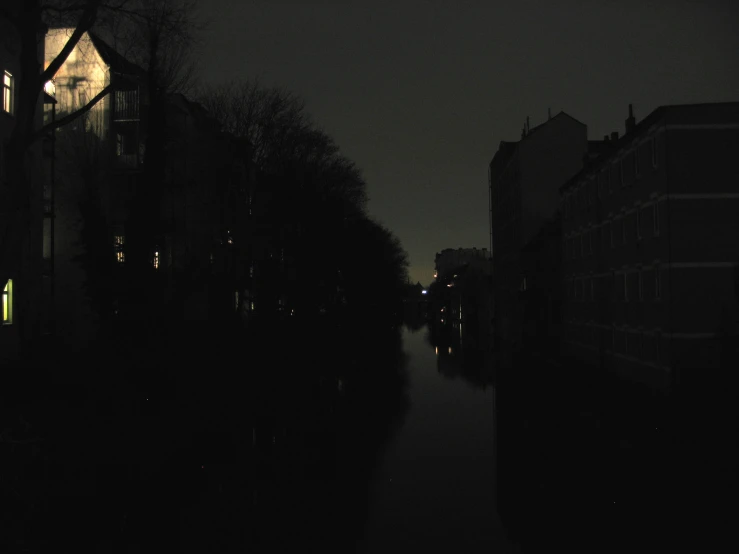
(450, 349)
(424, 292)
(437, 350)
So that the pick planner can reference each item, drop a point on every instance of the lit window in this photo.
(252, 306)
(120, 255)
(8, 90)
(8, 302)
(229, 238)
(656, 218)
(236, 299)
(156, 259)
(251, 270)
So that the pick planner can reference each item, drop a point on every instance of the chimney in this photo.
(528, 128)
(614, 136)
(605, 138)
(630, 121)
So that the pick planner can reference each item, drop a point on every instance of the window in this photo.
(119, 243)
(623, 230)
(636, 162)
(610, 229)
(592, 289)
(638, 223)
(656, 218)
(156, 259)
(657, 340)
(621, 178)
(613, 338)
(626, 287)
(641, 286)
(582, 247)
(608, 180)
(236, 299)
(8, 91)
(590, 241)
(8, 302)
(613, 284)
(626, 342)
(587, 195)
(653, 150)
(251, 271)
(657, 282)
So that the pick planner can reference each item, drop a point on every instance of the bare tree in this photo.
(284, 137)
(168, 26)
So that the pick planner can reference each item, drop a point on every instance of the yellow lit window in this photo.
(119, 242)
(8, 92)
(8, 303)
(156, 259)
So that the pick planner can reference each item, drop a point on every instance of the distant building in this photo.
(450, 258)
(524, 178)
(651, 248)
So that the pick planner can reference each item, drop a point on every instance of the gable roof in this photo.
(116, 62)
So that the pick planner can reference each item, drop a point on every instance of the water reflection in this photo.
(435, 490)
(259, 443)
(461, 355)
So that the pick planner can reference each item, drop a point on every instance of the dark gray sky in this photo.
(418, 93)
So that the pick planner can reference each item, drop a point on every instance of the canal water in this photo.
(434, 488)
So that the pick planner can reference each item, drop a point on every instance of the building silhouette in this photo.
(651, 248)
(524, 177)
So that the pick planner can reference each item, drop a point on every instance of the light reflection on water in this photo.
(435, 486)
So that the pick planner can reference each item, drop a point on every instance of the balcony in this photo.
(126, 106)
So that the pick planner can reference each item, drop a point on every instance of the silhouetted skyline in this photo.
(419, 94)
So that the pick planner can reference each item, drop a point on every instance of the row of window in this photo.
(583, 288)
(582, 244)
(583, 197)
(633, 343)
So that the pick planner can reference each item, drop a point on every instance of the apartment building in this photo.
(651, 248)
(524, 178)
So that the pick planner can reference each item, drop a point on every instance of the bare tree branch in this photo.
(71, 116)
(87, 19)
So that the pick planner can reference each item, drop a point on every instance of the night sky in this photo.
(419, 93)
